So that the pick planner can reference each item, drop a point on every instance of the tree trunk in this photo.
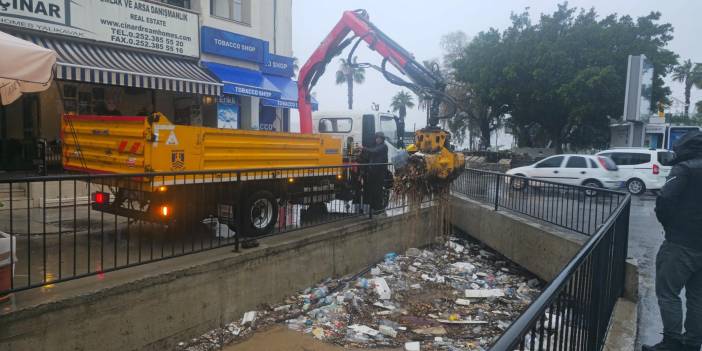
(484, 135)
(349, 85)
(688, 88)
(558, 143)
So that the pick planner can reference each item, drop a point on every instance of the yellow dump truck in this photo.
(194, 166)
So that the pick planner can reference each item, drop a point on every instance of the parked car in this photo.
(587, 170)
(642, 169)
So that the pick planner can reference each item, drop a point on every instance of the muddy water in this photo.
(280, 338)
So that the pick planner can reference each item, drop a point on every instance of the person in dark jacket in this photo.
(679, 260)
(375, 177)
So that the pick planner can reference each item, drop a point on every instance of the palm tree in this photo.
(401, 102)
(689, 74)
(350, 73)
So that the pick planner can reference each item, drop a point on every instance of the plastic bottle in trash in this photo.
(318, 293)
(362, 283)
(390, 257)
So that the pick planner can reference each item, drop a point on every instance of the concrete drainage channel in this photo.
(163, 304)
(457, 296)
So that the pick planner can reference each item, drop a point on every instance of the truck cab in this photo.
(358, 128)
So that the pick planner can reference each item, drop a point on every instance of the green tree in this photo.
(564, 77)
(401, 102)
(349, 73)
(690, 75)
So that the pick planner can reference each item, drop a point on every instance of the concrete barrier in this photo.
(154, 306)
(541, 249)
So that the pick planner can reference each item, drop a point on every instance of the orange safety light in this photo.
(162, 189)
(165, 210)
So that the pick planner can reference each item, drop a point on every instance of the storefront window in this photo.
(235, 10)
(180, 3)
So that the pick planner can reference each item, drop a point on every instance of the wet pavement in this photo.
(645, 236)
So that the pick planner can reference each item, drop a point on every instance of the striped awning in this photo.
(90, 63)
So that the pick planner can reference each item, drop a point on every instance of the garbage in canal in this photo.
(412, 346)
(452, 296)
(477, 293)
(249, 317)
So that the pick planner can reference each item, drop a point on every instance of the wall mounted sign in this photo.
(133, 23)
(278, 65)
(228, 44)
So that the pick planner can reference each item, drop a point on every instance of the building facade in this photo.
(217, 63)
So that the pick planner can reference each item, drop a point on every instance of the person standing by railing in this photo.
(377, 154)
(679, 260)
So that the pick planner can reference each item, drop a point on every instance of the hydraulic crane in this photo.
(432, 153)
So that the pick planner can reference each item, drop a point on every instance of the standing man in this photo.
(375, 178)
(679, 260)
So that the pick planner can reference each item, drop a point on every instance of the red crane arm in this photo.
(358, 23)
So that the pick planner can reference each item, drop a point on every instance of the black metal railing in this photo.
(60, 228)
(574, 310)
(574, 207)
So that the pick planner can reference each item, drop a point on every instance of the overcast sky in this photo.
(418, 26)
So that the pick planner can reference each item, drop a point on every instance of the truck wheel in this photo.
(260, 213)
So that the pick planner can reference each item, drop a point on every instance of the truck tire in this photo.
(260, 213)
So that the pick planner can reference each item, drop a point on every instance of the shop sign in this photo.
(279, 103)
(133, 23)
(278, 65)
(228, 44)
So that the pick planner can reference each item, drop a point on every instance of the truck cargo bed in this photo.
(134, 144)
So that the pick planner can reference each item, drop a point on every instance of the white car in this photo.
(587, 170)
(642, 169)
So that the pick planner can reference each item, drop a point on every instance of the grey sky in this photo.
(418, 26)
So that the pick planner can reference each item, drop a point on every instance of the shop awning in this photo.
(288, 93)
(106, 65)
(242, 81)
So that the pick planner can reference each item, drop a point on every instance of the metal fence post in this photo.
(239, 212)
(497, 191)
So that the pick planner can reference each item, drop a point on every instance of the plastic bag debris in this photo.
(462, 302)
(463, 267)
(363, 329)
(477, 293)
(387, 330)
(381, 288)
(412, 346)
(249, 317)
